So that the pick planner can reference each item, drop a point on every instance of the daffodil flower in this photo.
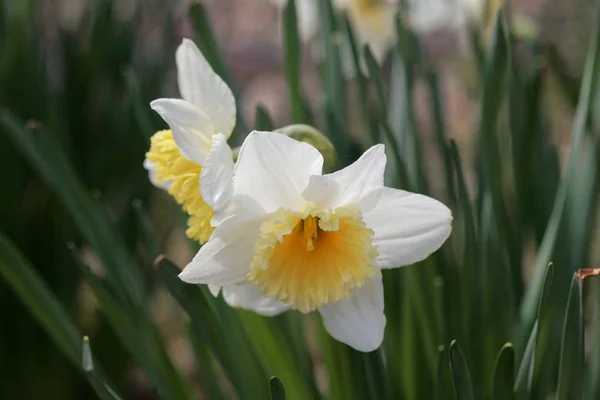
(195, 150)
(194, 154)
(318, 242)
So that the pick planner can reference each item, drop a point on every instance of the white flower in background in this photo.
(194, 154)
(374, 21)
(318, 242)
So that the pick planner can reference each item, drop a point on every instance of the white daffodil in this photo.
(374, 22)
(194, 154)
(195, 150)
(318, 242)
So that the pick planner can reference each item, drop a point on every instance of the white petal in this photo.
(149, 166)
(247, 295)
(214, 290)
(308, 18)
(351, 184)
(273, 170)
(225, 259)
(358, 321)
(217, 172)
(192, 130)
(201, 86)
(408, 227)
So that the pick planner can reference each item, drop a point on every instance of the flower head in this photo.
(195, 150)
(318, 242)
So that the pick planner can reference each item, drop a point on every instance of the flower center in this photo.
(184, 175)
(311, 259)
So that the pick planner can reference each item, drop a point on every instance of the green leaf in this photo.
(438, 116)
(144, 227)
(333, 82)
(444, 382)
(401, 112)
(542, 374)
(210, 378)
(368, 120)
(293, 60)
(103, 391)
(273, 353)
(263, 121)
(461, 376)
(52, 164)
(572, 368)
(276, 389)
(35, 294)
(526, 371)
(139, 106)
(42, 304)
(374, 74)
(504, 374)
(336, 358)
(210, 320)
(135, 330)
(208, 44)
(586, 100)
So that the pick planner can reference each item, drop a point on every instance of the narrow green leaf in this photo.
(489, 134)
(572, 364)
(336, 358)
(275, 356)
(461, 376)
(103, 391)
(140, 107)
(210, 379)
(437, 110)
(542, 374)
(526, 371)
(586, 99)
(263, 121)
(144, 227)
(444, 383)
(293, 60)
(503, 376)
(230, 350)
(368, 120)
(135, 330)
(43, 305)
(276, 389)
(333, 81)
(401, 112)
(208, 44)
(35, 294)
(524, 379)
(374, 74)
(52, 164)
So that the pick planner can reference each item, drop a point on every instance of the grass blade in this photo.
(504, 374)
(52, 164)
(293, 60)
(29, 286)
(461, 376)
(103, 391)
(263, 121)
(276, 389)
(546, 249)
(572, 369)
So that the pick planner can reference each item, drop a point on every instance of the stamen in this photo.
(185, 183)
(311, 259)
(310, 232)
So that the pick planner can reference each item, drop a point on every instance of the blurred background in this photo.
(85, 71)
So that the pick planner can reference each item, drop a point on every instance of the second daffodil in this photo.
(318, 242)
(195, 151)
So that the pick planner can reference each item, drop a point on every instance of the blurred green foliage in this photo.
(462, 324)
